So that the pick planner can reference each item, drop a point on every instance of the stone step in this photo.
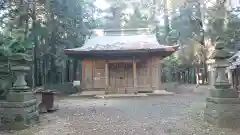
(121, 91)
(121, 96)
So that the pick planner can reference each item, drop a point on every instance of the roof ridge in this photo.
(138, 31)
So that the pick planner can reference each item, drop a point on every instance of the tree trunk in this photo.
(35, 40)
(46, 80)
(53, 38)
(202, 42)
(166, 18)
(37, 77)
(194, 75)
(42, 71)
(75, 67)
(67, 76)
(197, 74)
(53, 70)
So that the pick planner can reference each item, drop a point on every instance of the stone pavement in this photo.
(166, 115)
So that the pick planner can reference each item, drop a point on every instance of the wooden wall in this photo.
(148, 74)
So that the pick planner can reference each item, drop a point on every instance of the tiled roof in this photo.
(236, 62)
(126, 42)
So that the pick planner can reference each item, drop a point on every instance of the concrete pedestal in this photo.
(18, 111)
(223, 112)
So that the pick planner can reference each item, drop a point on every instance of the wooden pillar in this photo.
(148, 74)
(150, 70)
(158, 76)
(237, 77)
(84, 74)
(93, 73)
(134, 74)
(106, 74)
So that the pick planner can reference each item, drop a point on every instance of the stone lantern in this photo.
(223, 105)
(19, 109)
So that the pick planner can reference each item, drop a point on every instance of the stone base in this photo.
(19, 111)
(223, 112)
(223, 92)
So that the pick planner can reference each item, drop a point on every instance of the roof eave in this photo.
(113, 54)
(167, 49)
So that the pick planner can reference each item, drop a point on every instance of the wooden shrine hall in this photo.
(121, 61)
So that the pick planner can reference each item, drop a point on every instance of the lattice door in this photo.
(120, 75)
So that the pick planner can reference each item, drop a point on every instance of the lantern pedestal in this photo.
(223, 112)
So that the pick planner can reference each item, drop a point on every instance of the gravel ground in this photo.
(169, 115)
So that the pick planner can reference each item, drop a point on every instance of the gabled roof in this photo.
(120, 42)
(234, 60)
(129, 42)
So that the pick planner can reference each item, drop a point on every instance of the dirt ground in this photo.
(181, 114)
